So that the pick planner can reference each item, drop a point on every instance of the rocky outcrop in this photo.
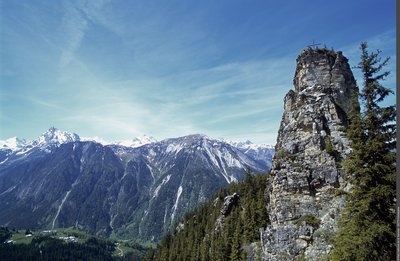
(304, 197)
(229, 202)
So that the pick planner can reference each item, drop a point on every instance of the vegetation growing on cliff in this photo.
(203, 235)
(367, 225)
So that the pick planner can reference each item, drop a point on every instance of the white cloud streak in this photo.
(74, 25)
(172, 85)
(199, 101)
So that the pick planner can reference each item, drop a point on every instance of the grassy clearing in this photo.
(124, 249)
(20, 238)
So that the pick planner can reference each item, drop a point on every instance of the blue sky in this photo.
(120, 69)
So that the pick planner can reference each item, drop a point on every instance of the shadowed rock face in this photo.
(302, 199)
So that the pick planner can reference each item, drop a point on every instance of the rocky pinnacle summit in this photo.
(303, 198)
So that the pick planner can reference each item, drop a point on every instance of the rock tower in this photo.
(305, 194)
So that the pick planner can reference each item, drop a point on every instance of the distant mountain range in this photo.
(130, 189)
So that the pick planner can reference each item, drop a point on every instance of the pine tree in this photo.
(367, 225)
(236, 243)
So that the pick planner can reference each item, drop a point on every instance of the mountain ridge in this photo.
(58, 180)
(54, 135)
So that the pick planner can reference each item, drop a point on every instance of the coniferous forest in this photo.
(218, 231)
(47, 248)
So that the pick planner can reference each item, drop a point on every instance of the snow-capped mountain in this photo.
(134, 143)
(9, 146)
(137, 142)
(248, 145)
(13, 143)
(261, 153)
(130, 190)
(54, 137)
(213, 153)
(49, 140)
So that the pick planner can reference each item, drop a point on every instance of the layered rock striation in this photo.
(304, 197)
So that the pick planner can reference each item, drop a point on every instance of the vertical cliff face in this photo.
(304, 196)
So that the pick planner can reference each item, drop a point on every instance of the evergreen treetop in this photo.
(367, 225)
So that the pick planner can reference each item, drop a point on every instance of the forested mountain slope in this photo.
(224, 228)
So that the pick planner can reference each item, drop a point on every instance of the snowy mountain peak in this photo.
(137, 142)
(55, 137)
(134, 143)
(250, 145)
(13, 143)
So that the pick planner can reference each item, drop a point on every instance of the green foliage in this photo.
(367, 224)
(200, 240)
(309, 219)
(330, 149)
(236, 243)
(332, 191)
(49, 246)
(20, 238)
(259, 251)
(326, 234)
(282, 154)
(302, 257)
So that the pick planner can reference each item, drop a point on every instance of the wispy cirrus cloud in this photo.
(118, 69)
(199, 101)
(74, 25)
(75, 22)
